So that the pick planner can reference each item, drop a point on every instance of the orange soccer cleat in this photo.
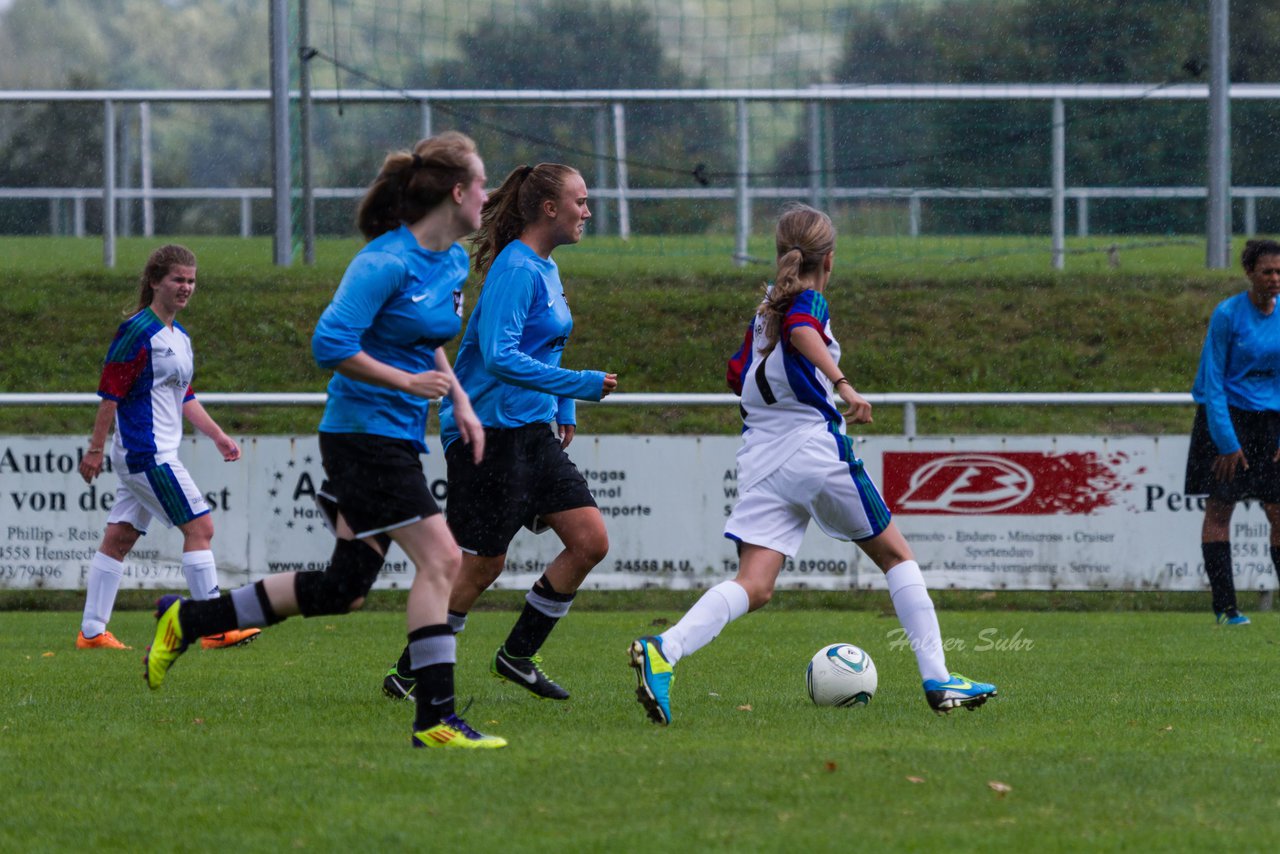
(106, 640)
(235, 637)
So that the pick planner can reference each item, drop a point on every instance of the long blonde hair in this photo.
(804, 237)
(515, 205)
(411, 184)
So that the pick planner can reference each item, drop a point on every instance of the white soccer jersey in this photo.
(148, 373)
(786, 400)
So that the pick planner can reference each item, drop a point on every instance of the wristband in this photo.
(92, 451)
(836, 384)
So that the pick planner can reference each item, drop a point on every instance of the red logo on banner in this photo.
(1031, 484)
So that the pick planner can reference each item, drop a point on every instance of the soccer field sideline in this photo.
(1105, 735)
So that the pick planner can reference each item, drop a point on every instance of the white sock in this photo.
(718, 607)
(915, 611)
(201, 573)
(100, 593)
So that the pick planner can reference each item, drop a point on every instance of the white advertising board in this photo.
(981, 512)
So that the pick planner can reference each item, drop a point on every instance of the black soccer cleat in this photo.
(527, 673)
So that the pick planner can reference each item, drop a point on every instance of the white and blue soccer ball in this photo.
(841, 674)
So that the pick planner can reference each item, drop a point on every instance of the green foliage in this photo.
(1106, 735)
(666, 318)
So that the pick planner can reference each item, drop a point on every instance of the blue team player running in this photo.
(796, 463)
(383, 335)
(509, 363)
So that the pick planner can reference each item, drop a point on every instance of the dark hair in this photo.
(514, 205)
(412, 183)
(804, 237)
(1255, 250)
(160, 263)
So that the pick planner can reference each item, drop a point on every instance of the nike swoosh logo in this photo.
(436, 702)
(527, 677)
(419, 297)
(550, 303)
(963, 686)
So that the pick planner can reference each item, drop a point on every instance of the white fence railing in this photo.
(909, 401)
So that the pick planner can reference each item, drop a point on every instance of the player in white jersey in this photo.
(146, 393)
(796, 463)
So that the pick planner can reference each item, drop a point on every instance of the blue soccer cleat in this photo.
(1232, 618)
(655, 675)
(956, 692)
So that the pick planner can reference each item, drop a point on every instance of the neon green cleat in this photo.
(168, 643)
(453, 731)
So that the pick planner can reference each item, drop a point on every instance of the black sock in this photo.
(1217, 565)
(403, 667)
(535, 623)
(203, 617)
(434, 693)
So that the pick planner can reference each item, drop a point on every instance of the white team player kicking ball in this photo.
(796, 463)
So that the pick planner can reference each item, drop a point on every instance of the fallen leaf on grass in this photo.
(830, 766)
(48, 654)
(1169, 728)
(915, 779)
(744, 708)
(198, 721)
(999, 788)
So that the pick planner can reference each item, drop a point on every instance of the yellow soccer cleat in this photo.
(168, 643)
(106, 640)
(453, 731)
(235, 637)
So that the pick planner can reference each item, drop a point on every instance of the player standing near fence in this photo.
(146, 392)
(383, 335)
(1235, 438)
(509, 362)
(796, 463)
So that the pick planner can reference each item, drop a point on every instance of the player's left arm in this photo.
(195, 413)
(470, 430)
(808, 342)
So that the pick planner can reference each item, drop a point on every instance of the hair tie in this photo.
(525, 170)
(796, 249)
(418, 162)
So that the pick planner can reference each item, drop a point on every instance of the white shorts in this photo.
(814, 484)
(165, 492)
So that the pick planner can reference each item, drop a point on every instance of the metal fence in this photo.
(909, 401)
(614, 183)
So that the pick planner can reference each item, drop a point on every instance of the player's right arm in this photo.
(91, 461)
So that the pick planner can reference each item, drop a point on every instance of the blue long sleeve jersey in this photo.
(1239, 367)
(509, 359)
(398, 302)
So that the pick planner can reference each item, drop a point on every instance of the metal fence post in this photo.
(281, 179)
(620, 152)
(600, 144)
(144, 143)
(1082, 216)
(108, 184)
(1059, 224)
(743, 232)
(814, 109)
(1218, 225)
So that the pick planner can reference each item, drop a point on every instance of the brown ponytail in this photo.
(804, 237)
(515, 205)
(411, 184)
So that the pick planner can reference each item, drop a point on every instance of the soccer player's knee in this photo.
(342, 587)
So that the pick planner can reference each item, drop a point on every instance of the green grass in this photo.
(937, 314)
(1114, 731)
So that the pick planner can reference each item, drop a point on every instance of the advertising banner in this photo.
(981, 512)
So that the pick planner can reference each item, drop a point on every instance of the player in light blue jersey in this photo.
(797, 464)
(510, 364)
(383, 335)
(1235, 439)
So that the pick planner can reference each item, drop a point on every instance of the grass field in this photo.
(1113, 731)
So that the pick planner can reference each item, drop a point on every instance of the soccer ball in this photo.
(841, 675)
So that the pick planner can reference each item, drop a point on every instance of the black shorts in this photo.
(524, 474)
(376, 482)
(1259, 435)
